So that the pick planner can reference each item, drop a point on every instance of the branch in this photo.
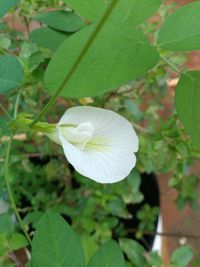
(167, 234)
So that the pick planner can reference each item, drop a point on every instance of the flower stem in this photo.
(77, 62)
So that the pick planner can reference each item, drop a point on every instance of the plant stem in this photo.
(7, 159)
(16, 105)
(12, 200)
(166, 234)
(171, 65)
(77, 62)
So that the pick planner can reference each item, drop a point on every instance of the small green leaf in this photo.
(55, 244)
(182, 256)
(134, 180)
(89, 247)
(5, 42)
(35, 60)
(108, 255)
(6, 223)
(33, 217)
(6, 5)
(154, 259)
(181, 29)
(187, 99)
(61, 20)
(134, 251)
(11, 73)
(132, 12)
(17, 241)
(119, 54)
(48, 38)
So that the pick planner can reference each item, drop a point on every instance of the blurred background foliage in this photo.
(43, 181)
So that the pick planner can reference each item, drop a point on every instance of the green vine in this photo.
(7, 181)
(10, 193)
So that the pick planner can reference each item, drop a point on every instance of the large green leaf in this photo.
(181, 29)
(61, 20)
(55, 244)
(48, 38)
(6, 5)
(187, 101)
(119, 54)
(127, 11)
(109, 255)
(11, 73)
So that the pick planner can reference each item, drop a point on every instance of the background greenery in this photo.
(135, 65)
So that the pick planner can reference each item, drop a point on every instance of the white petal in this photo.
(78, 136)
(109, 156)
(105, 122)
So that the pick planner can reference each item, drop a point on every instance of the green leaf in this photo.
(61, 20)
(89, 247)
(17, 241)
(134, 180)
(6, 223)
(33, 217)
(182, 256)
(35, 60)
(48, 38)
(119, 54)
(11, 73)
(109, 255)
(55, 244)
(154, 259)
(5, 42)
(187, 99)
(133, 12)
(134, 251)
(181, 29)
(6, 5)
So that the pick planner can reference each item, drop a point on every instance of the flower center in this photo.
(80, 135)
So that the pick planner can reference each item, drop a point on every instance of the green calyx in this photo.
(23, 121)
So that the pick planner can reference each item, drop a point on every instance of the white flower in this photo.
(99, 143)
